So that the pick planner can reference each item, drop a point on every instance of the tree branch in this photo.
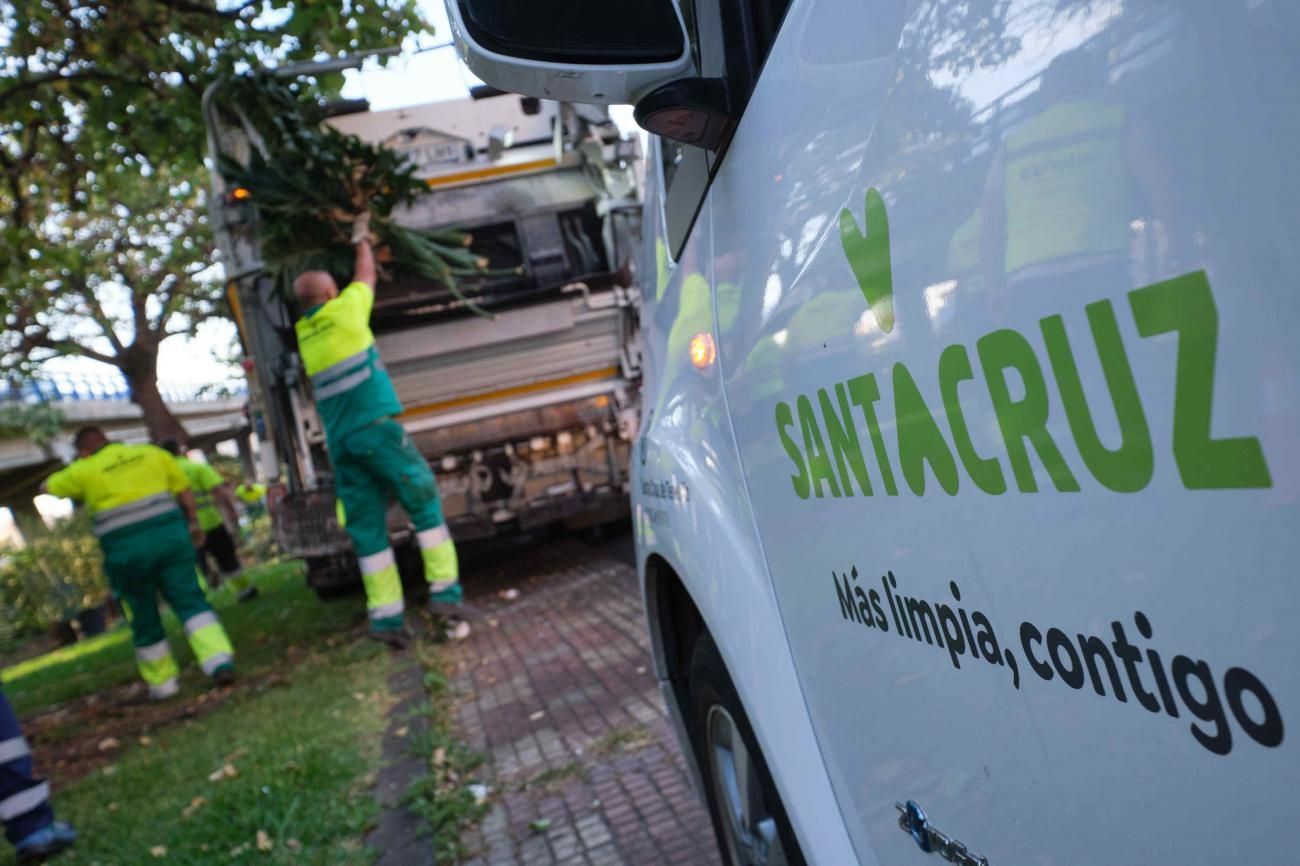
(100, 316)
(61, 77)
(69, 347)
(210, 11)
(170, 298)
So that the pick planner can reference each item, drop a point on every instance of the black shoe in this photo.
(395, 638)
(248, 594)
(449, 626)
(223, 676)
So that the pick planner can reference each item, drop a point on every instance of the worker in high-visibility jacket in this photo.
(141, 504)
(214, 506)
(372, 456)
(253, 497)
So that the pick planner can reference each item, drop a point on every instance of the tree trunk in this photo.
(158, 419)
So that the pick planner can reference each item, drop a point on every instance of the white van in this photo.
(966, 493)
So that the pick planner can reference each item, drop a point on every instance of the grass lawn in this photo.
(277, 771)
(286, 613)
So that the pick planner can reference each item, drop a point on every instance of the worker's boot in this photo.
(49, 840)
(390, 631)
(224, 676)
(450, 615)
(165, 690)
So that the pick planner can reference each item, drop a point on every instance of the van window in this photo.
(729, 39)
(750, 28)
(686, 179)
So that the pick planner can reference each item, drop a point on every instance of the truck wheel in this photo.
(333, 576)
(748, 816)
(335, 591)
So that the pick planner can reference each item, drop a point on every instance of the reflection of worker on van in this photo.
(1061, 192)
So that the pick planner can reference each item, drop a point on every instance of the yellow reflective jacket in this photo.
(348, 378)
(1065, 187)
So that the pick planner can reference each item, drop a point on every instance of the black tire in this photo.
(334, 577)
(715, 704)
(334, 592)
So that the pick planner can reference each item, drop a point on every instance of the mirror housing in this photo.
(592, 51)
(690, 110)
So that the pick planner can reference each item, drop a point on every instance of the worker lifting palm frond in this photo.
(372, 455)
(310, 182)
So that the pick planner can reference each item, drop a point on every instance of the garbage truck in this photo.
(525, 415)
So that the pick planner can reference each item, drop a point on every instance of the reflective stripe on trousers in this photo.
(24, 801)
(383, 585)
(133, 512)
(208, 640)
(156, 665)
(14, 748)
(441, 568)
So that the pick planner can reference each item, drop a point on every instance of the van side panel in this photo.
(1015, 383)
(690, 510)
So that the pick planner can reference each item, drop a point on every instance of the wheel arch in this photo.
(675, 618)
(675, 623)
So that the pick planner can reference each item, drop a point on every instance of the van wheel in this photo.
(748, 816)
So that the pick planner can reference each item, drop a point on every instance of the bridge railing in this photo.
(75, 387)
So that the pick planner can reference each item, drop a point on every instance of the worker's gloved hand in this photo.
(361, 227)
(197, 535)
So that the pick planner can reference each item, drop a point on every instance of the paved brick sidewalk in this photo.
(558, 693)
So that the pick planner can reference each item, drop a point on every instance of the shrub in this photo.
(57, 574)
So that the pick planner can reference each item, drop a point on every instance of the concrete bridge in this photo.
(209, 417)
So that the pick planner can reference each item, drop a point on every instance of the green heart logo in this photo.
(868, 255)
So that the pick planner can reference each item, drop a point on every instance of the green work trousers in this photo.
(371, 466)
(156, 557)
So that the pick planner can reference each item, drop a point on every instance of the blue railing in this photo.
(67, 387)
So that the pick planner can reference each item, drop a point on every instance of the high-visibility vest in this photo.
(351, 386)
(250, 494)
(122, 485)
(203, 480)
(1065, 185)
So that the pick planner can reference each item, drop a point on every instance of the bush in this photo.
(56, 575)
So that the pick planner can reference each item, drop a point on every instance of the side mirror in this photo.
(690, 110)
(594, 51)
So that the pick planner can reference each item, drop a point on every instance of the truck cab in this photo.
(523, 391)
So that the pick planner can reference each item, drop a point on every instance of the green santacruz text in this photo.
(826, 434)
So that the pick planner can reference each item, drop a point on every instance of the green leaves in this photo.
(308, 181)
(56, 575)
(101, 129)
(40, 422)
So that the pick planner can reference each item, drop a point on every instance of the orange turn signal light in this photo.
(703, 351)
(240, 193)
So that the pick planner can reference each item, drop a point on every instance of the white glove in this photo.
(361, 227)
